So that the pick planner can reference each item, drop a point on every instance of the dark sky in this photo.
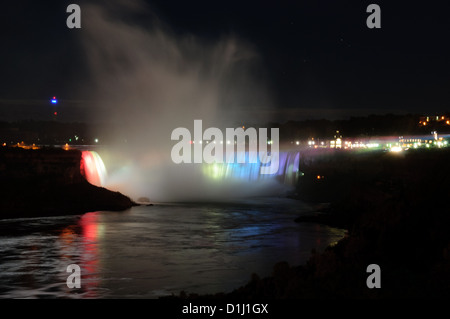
(319, 56)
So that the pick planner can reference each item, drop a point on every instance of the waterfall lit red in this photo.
(93, 168)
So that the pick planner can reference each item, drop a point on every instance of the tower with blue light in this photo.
(54, 102)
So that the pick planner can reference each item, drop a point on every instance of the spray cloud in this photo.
(147, 80)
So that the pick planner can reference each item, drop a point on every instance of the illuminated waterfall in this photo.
(287, 171)
(93, 168)
(165, 181)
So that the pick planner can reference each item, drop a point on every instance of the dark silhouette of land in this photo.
(48, 182)
(57, 133)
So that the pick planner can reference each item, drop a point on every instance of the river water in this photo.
(153, 251)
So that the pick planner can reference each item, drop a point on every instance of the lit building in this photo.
(423, 142)
(431, 119)
(337, 142)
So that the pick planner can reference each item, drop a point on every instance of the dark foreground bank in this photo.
(48, 182)
(396, 210)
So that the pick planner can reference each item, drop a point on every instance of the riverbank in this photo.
(395, 208)
(48, 182)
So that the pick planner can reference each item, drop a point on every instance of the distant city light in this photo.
(396, 149)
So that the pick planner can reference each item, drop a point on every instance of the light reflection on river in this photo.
(151, 251)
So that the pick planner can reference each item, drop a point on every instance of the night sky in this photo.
(319, 56)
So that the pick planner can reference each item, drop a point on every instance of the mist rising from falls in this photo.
(148, 80)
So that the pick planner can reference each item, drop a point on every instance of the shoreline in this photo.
(66, 200)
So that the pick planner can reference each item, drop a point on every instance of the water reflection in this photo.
(79, 244)
(147, 252)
